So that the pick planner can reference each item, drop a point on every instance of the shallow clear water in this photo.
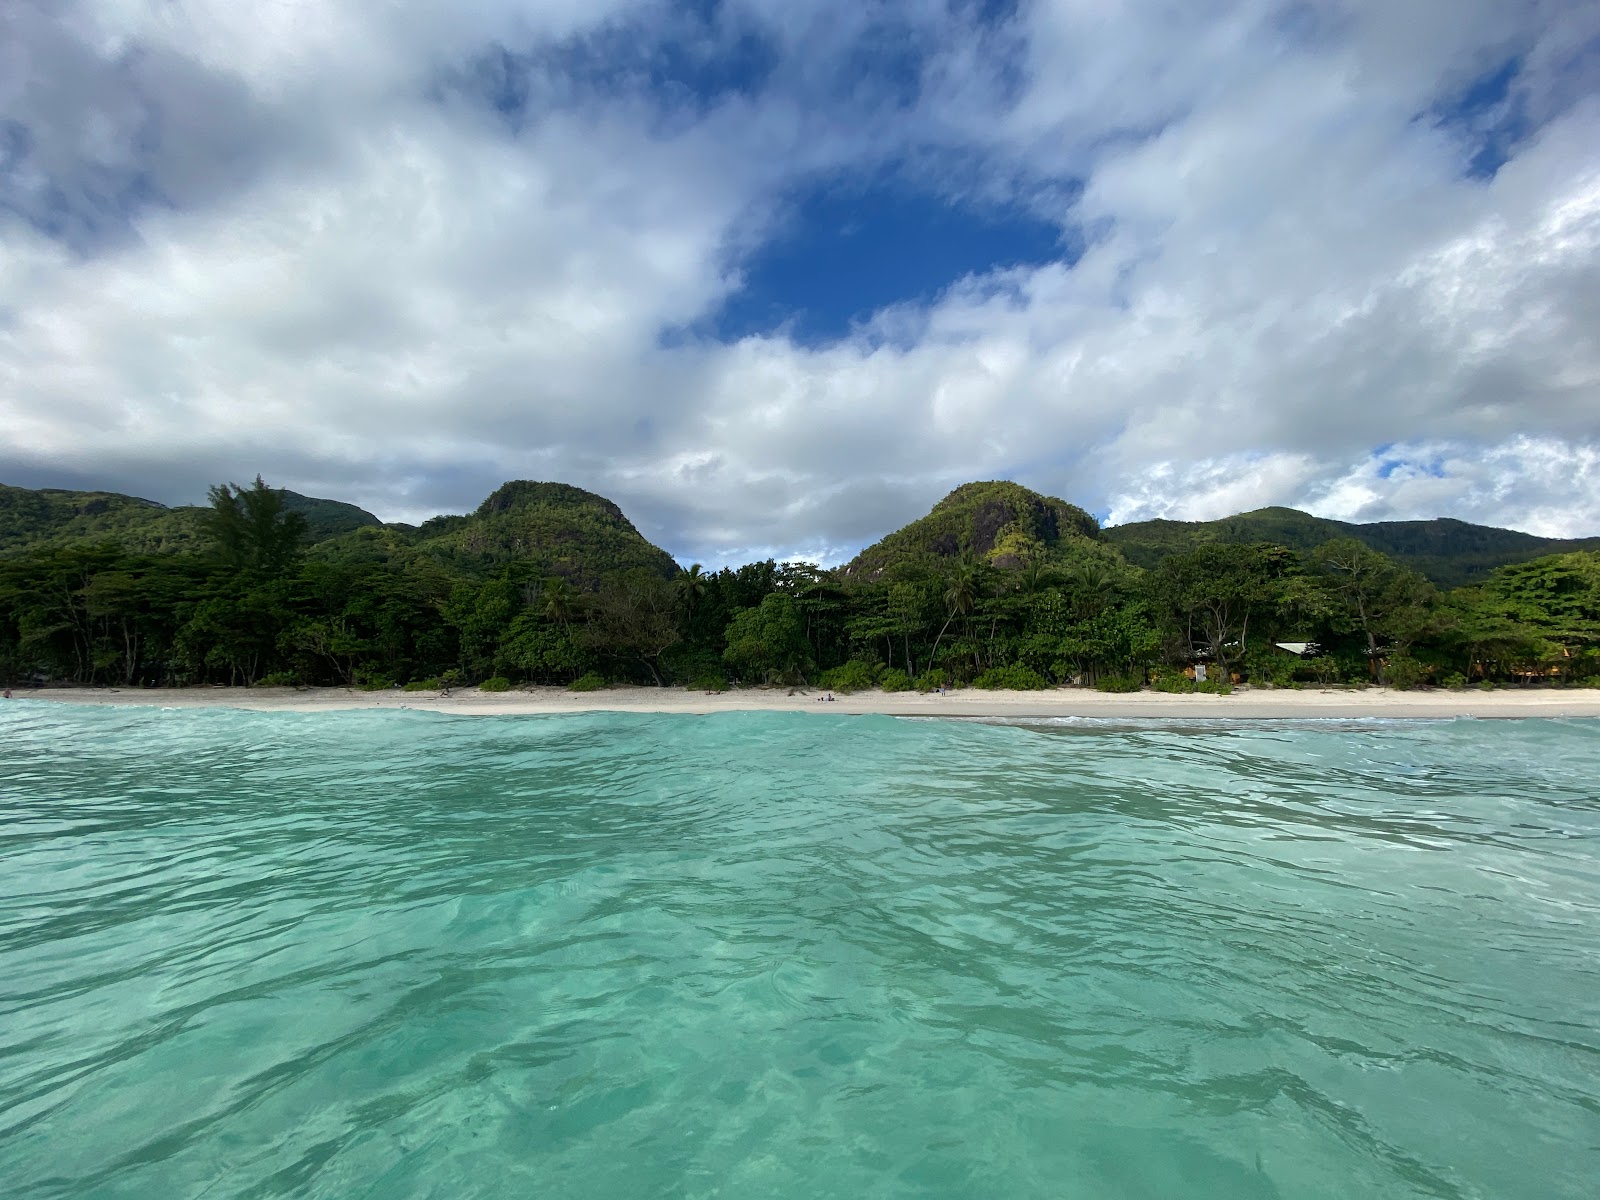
(762, 955)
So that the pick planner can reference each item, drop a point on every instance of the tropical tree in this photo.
(690, 586)
(1385, 601)
(768, 642)
(963, 588)
(252, 528)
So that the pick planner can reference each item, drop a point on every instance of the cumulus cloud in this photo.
(1341, 255)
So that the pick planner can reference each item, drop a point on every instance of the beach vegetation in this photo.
(498, 683)
(548, 585)
(857, 675)
(592, 682)
(1117, 683)
(1012, 678)
(895, 680)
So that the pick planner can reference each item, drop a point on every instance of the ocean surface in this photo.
(401, 954)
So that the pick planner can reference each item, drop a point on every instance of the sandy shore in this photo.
(1062, 702)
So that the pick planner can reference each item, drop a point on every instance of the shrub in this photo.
(1271, 668)
(1117, 683)
(708, 683)
(1322, 669)
(498, 684)
(895, 681)
(857, 675)
(1404, 673)
(1014, 678)
(932, 680)
(1215, 687)
(1454, 680)
(278, 679)
(423, 685)
(592, 682)
(373, 682)
(1173, 682)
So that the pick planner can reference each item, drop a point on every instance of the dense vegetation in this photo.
(997, 587)
(50, 518)
(1450, 553)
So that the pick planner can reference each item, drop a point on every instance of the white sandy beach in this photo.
(1060, 702)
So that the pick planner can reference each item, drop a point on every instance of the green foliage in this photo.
(1173, 683)
(857, 675)
(1450, 553)
(1402, 672)
(592, 682)
(1270, 667)
(278, 679)
(550, 529)
(1000, 524)
(1013, 678)
(708, 683)
(1117, 683)
(253, 529)
(423, 685)
(1214, 687)
(498, 683)
(1454, 680)
(895, 680)
(768, 643)
(373, 605)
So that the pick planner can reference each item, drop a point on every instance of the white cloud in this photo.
(361, 281)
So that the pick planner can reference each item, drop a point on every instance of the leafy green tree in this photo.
(1386, 602)
(252, 528)
(768, 642)
(1210, 595)
(633, 618)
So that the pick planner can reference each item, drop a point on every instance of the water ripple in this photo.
(400, 954)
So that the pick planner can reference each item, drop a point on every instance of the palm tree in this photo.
(1093, 586)
(559, 600)
(691, 587)
(963, 587)
(1035, 576)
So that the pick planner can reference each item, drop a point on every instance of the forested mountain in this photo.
(554, 528)
(1449, 552)
(1001, 524)
(544, 583)
(45, 518)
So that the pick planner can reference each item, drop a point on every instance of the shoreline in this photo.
(1245, 703)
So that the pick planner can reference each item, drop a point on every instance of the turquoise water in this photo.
(763, 955)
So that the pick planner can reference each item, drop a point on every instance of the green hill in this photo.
(561, 530)
(1003, 523)
(49, 518)
(1447, 551)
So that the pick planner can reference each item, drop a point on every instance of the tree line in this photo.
(257, 609)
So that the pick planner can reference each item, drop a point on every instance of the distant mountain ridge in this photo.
(565, 530)
(557, 528)
(49, 518)
(1452, 553)
(560, 529)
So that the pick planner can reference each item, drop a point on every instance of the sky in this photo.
(775, 275)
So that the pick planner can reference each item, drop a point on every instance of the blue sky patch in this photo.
(845, 251)
(1489, 118)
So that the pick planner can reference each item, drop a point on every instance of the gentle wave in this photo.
(404, 954)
